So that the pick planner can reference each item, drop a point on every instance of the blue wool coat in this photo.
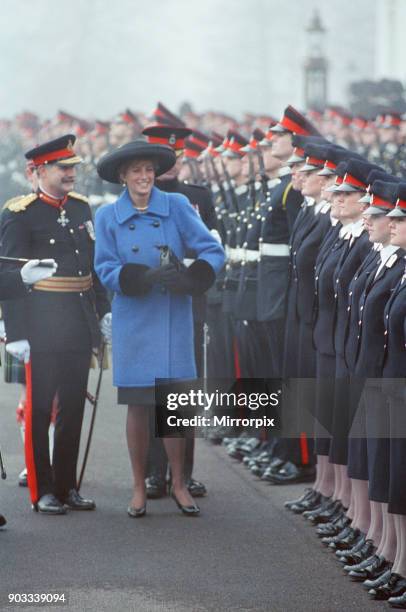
(153, 333)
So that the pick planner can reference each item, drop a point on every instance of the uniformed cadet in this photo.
(200, 198)
(273, 267)
(56, 325)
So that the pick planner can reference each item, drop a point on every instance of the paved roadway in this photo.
(244, 553)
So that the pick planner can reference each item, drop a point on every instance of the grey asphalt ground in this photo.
(244, 553)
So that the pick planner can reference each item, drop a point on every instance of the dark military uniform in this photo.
(59, 318)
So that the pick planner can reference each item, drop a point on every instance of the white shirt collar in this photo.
(387, 251)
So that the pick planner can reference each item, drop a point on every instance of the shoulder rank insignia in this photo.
(78, 196)
(20, 203)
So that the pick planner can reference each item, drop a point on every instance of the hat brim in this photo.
(349, 188)
(326, 172)
(109, 166)
(265, 142)
(332, 188)
(366, 199)
(69, 161)
(397, 212)
(295, 159)
(279, 129)
(231, 154)
(309, 168)
(375, 210)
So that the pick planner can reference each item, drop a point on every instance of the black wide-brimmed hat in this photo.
(109, 166)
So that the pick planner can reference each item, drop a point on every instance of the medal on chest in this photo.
(63, 219)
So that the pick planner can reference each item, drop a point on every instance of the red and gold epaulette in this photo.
(78, 196)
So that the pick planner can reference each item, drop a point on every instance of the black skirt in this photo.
(136, 396)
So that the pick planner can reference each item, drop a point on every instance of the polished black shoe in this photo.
(359, 567)
(358, 553)
(290, 473)
(187, 510)
(49, 504)
(348, 541)
(398, 602)
(329, 530)
(328, 515)
(74, 501)
(155, 487)
(22, 478)
(272, 468)
(358, 544)
(196, 488)
(308, 504)
(2, 520)
(342, 534)
(136, 512)
(379, 580)
(395, 587)
(325, 504)
(371, 571)
(308, 493)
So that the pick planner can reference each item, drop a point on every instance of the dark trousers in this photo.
(65, 374)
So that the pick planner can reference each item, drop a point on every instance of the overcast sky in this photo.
(95, 57)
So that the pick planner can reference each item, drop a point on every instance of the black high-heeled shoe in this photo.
(136, 512)
(187, 510)
(2, 520)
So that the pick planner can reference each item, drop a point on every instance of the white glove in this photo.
(31, 272)
(20, 349)
(2, 330)
(105, 327)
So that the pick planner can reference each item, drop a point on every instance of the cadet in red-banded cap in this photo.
(54, 222)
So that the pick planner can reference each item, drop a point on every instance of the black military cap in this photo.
(340, 172)
(235, 145)
(315, 157)
(294, 122)
(377, 175)
(169, 135)
(383, 198)
(356, 177)
(59, 151)
(400, 208)
(334, 155)
(299, 142)
(109, 166)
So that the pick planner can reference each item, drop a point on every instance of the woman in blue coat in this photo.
(152, 323)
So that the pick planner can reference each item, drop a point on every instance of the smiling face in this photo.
(139, 176)
(398, 231)
(57, 180)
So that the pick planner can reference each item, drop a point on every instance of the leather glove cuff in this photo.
(201, 276)
(132, 279)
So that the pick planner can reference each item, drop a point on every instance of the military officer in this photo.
(54, 222)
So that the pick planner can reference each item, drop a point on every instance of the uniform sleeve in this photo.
(11, 285)
(294, 201)
(195, 234)
(15, 242)
(210, 217)
(102, 302)
(107, 261)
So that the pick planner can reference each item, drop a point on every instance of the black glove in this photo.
(195, 280)
(137, 279)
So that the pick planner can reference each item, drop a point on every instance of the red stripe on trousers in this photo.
(304, 449)
(28, 442)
